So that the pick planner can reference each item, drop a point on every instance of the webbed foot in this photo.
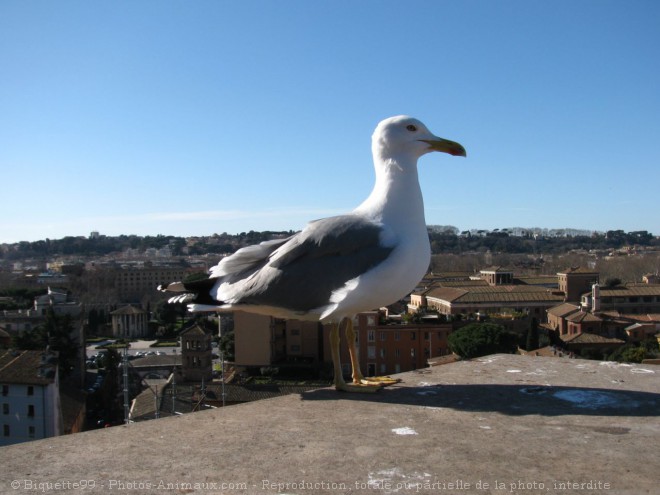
(382, 381)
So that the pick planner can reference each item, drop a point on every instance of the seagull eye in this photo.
(411, 128)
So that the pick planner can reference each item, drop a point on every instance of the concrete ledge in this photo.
(496, 425)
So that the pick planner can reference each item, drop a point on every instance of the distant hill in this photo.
(444, 239)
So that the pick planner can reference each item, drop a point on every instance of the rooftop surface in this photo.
(496, 425)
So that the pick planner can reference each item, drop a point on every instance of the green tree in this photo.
(227, 345)
(533, 335)
(481, 339)
(55, 333)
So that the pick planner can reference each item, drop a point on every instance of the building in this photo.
(606, 317)
(639, 332)
(130, 322)
(575, 281)
(30, 398)
(502, 299)
(497, 275)
(155, 367)
(384, 346)
(196, 355)
(389, 346)
(258, 340)
(18, 321)
(133, 282)
(58, 301)
(631, 298)
(494, 291)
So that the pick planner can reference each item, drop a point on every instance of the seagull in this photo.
(339, 266)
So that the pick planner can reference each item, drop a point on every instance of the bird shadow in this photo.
(513, 400)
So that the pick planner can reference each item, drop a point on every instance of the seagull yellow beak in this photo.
(446, 146)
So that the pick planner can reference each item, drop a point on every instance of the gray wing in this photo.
(246, 259)
(302, 273)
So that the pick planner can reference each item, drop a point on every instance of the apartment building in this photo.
(575, 281)
(133, 282)
(30, 396)
(384, 346)
(390, 346)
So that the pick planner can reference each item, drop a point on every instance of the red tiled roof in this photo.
(24, 367)
(591, 338)
(582, 317)
(563, 310)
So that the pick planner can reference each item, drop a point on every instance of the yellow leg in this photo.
(358, 377)
(340, 384)
(336, 361)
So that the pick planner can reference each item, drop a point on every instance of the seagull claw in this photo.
(382, 381)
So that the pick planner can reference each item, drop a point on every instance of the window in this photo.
(30, 411)
(426, 336)
(30, 390)
(412, 352)
(397, 368)
(5, 408)
(371, 321)
(413, 335)
(31, 431)
(382, 353)
(371, 352)
(382, 336)
(382, 369)
(371, 336)
(5, 390)
(397, 353)
(295, 348)
(397, 335)
(6, 430)
(295, 331)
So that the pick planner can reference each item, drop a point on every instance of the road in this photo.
(138, 346)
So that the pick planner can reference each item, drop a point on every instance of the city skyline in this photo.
(191, 119)
(514, 231)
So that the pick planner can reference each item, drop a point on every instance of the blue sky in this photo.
(197, 117)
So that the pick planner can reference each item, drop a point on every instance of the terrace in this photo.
(494, 425)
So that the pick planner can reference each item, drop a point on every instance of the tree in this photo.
(533, 335)
(55, 333)
(481, 339)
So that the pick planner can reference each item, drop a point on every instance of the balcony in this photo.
(499, 424)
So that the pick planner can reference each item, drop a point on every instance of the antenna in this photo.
(174, 391)
(156, 401)
(127, 419)
(222, 358)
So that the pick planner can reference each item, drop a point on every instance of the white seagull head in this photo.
(406, 137)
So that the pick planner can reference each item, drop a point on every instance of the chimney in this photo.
(595, 297)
